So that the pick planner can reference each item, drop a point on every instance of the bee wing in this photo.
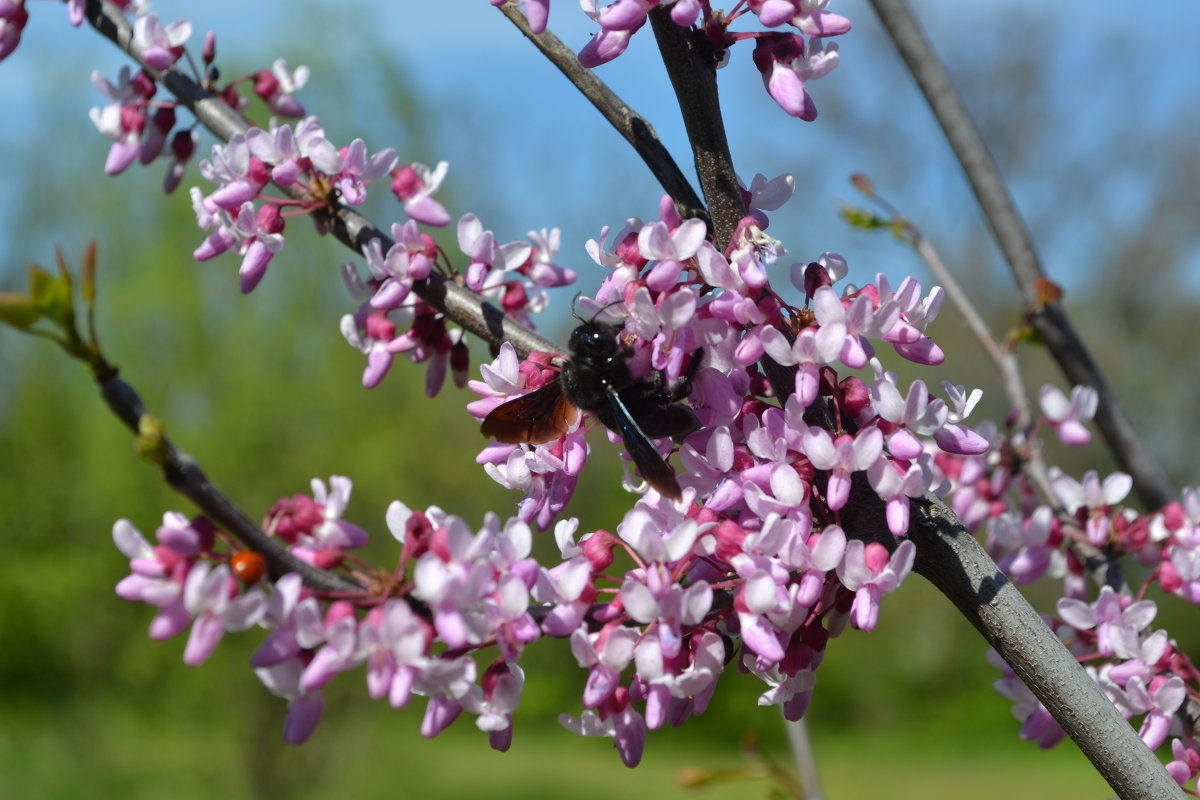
(541, 416)
(654, 469)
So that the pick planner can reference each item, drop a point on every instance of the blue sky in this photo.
(554, 163)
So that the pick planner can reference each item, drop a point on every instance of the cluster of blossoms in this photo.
(393, 319)
(299, 160)
(785, 60)
(1141, 670)
(236, 215)
(143, 129)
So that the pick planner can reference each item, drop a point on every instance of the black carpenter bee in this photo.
(596, 379)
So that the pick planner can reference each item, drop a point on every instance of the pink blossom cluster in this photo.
(394, 320)
(764, 486)
(755, 550)
(140, 127)
(694, 584)
(674, 295)
(1140, 669)
(785, 60)
(299, 160)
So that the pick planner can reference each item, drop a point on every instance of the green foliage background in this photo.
(265, 394)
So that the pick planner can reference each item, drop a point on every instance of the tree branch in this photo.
(1015, 243)
(691, 65)
(631, 125)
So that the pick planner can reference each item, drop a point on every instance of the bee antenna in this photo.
(574, 307)
(601, 310)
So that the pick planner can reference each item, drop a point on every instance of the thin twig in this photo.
(631, 125)
(801, 749)
(1105, 570)
(1015, 243)
(184, 475)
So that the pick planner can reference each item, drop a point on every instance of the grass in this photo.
(124, 749)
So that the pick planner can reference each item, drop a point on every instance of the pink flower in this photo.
(340, 652)
(1158, 705)
(605, 654)
(768, 194)
(262, 236)
(811, 350)
(122, 120)
(541, 269)
(955, 437)
(809, 16)
(1028, 554)
(497, 700)
(658, 242)
(414, 186)
(453, 579)
(1108, 615)
(489, 260)
(625, 15)
(1185, 764)
(286, 151)
(1181, 574)
(896, 483)
(762, 593)
(210, 596)
(787, 690)
(858, 319)
(375, 344)
(653, 597)
(907, 333)
(677, 687)
(333, 531)
(867, 571)
(447, 682)
(304, 708)
(842, 458)
(1068, 416)
(157, 578)
(358, 170)
(296, 624)
(160, 46)
(569, 587)
(786, 61)
(238, 175)
(617, 720)
(1092, 500)
(277, 85)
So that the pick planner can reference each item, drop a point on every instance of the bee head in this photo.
(594, 340)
